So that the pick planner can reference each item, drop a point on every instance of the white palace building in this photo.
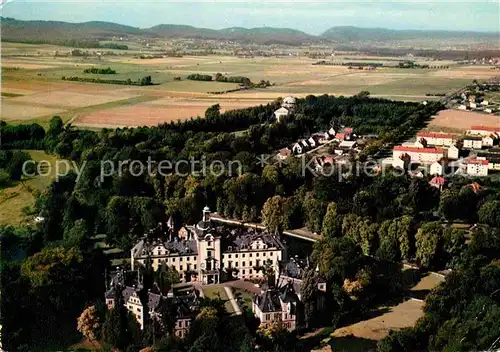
(210, 254)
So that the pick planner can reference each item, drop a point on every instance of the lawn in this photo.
(217, 291)
(243, 298)
(15, 198)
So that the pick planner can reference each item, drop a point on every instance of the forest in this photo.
(370, 224)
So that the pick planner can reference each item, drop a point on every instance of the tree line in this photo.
(100, 71)
(144, 81)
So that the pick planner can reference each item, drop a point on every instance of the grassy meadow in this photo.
(15, 198)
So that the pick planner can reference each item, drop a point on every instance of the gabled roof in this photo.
(485, 128)
(473, 138)
(438, 180)
(401, 148)
(434, 135)
(477, 162)
(268, 301)
(282, 111)
(285, 152)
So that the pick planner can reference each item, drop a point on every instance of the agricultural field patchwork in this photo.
(33, 89)
(458, 120)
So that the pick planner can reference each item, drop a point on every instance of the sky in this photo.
(311, 17)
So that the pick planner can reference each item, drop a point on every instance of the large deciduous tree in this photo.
(428, 241)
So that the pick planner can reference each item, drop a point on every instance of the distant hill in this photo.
(15, 30)
(357, 34)
(57, 32)
(38, 31)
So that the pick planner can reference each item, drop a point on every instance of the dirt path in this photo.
(235, 305)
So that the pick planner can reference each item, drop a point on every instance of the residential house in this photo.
(422, 155)
(206, 253)
(437, 168)
(278, 305)
(347, 145)
(321, 137)
(473, 142)
(313, 142)
(280, 114)
(484, 130)
(398, 163)
(492, 157)
(402, 162)
(438, 182)
(477, 167)
(322, 161)
(185, 300)
(420, 143)
(281, 301)
(300, 147)
(142, 305)
(436, 139)
(340, 136)
(452, 152)
(284, 153)
(488, 141)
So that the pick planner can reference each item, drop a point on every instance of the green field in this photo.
(15, 198)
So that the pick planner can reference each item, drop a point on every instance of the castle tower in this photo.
(209, 251)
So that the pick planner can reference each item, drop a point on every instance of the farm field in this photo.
(451, 120)
(33, 91)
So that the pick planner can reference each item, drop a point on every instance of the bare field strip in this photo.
(69, 99)
(139, 116)
(11, 111)
(401, 316)
(156, 112)
(226, 104)
(463, 120)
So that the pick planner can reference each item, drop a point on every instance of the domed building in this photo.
(289, 103)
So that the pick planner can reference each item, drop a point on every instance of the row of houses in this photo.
(437, 150)
(347, 141)
(472, 102)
